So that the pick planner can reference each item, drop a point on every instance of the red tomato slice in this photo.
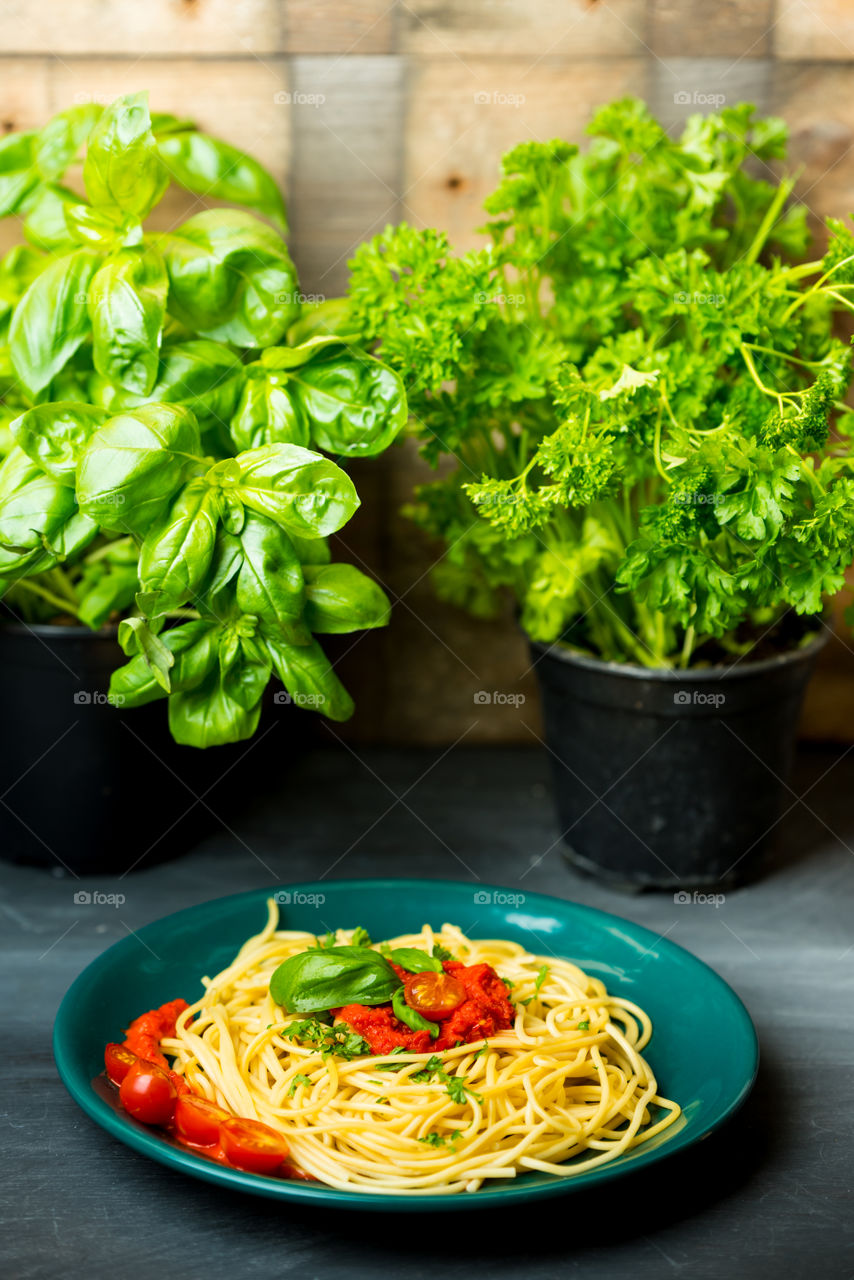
(433, 995)
(148, 1094)
(198, 1121)
(118, 1060)
(251, 1145)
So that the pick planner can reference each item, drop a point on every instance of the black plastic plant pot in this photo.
(89, 787)
(671, 779)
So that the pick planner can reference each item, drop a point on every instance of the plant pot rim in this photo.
(679, 675)
(59, 631)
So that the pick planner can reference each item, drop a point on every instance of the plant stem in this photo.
(100, 552)
(64, 606)
(687, 646)
(780, 197)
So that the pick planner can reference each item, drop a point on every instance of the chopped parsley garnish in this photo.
(440, 953)
(391, 1066)
(324, 942)
(484, 1048)
(584, 1026)
(430, 1068)
(526, 1001)
(440, 1139)
(541, 977)
(434, 1072)
(361, 938)
(383, 1100)
(298, 1079)
(329, 1040)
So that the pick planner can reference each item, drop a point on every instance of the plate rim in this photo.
(148, 1144)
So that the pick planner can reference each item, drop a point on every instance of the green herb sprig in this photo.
(166, 400)
(642, 399)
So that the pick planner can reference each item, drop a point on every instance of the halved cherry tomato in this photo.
(433, 995)
(198, 1120)
(252, 1145)
(148, 1094)
(118, 1060)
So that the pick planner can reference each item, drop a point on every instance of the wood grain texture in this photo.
(681, 87)
(463, 117)
(727, 28)
(151, 29)
(576, 28)
(346, 116)
(816, 99)
(340, 26)
(769, 1195)
(815, 29)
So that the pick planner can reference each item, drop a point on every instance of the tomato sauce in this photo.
(486, 1010)
(143, 1038)
(144, 1034)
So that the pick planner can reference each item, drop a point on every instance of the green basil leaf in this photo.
(176, 553)
(163, 123)
(138, 638)
(410, 1017)
(225, 564)
(52, 318)
(103, 229)
(270, 581)
(134, 463)
(203, 376)
(268, 414)
(127, 306)
(122, 167)
(194, 648)
(245, 677)
(71, 536)
(208, 716)
(33, 506)
(415, 961)
(309, 678)
(18, 175)
(63, 136)
(231, 278)
(331, 316)
(16, 565)
(213, 168)
(55, 434)
(340, 598)
(311, 550)
(303, 492)
(293, 356)
(356, 405)
(234, 513)
(18, 269)
(45, 225)
(111, 592)
(328, 978)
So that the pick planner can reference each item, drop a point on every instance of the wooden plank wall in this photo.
(368, 111)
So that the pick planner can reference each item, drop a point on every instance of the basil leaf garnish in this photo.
(409, 1016)
(415, 961)
(326, 979)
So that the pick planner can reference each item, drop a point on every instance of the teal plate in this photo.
(703, 1051)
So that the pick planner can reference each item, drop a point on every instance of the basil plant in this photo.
(167, 408)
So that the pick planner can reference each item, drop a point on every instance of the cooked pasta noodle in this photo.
(546, 1095)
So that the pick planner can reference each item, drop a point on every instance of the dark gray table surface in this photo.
(769, 1194)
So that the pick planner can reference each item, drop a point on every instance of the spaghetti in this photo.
(563, 1090)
